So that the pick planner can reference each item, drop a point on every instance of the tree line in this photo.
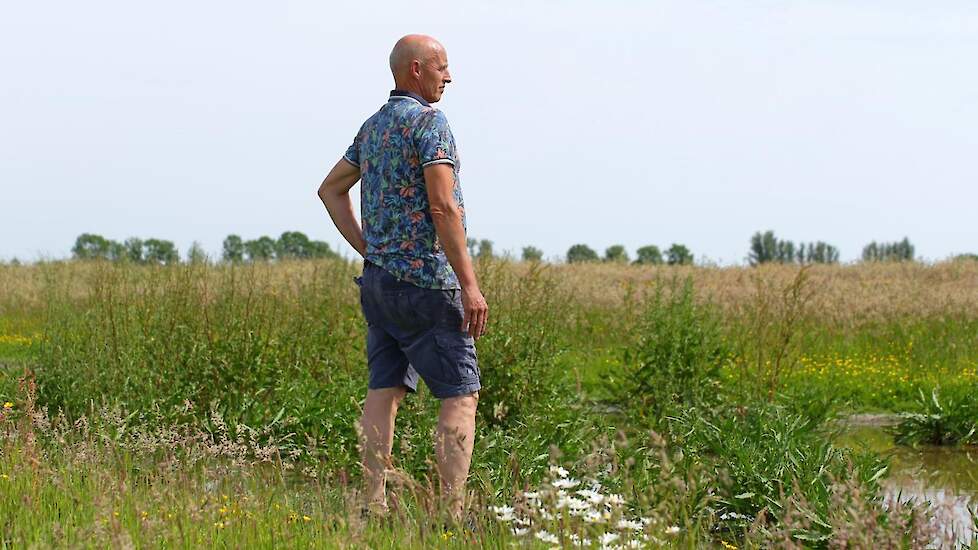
(765, 247)
(290, 245)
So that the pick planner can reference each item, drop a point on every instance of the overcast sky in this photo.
(594, 122)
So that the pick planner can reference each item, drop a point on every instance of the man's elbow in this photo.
(323, 192)
(443, 211)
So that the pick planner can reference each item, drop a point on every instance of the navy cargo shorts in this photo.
(414, 331)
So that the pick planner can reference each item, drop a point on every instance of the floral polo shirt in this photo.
(391, 149)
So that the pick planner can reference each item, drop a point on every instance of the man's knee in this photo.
(462, 403)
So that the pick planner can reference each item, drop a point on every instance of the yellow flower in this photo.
(306, 518)
(219, 525)
(8, 405)
(4, 476)
(446, 535)
(727, 545)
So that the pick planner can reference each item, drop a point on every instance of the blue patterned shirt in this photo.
(391, 149)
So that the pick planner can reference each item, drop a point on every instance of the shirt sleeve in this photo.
(434, 139)
(352, 154)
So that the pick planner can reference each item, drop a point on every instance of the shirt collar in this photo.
(409, 95)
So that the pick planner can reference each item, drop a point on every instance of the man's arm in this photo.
(335, 194)
(440, 181)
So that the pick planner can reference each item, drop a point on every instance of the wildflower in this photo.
(306, 518)
(219, 524)
(8, 405)
(727, 545)
(503, 513)
(672, 530)
(547, 537)
(593, 496)
(630, 524)
(592, 516)
(615, 500)
(531, 495)
(608, 538)
(577, 504)
(4, 476)
(579, 541)
(520, 531)
(566, 483)
(558, 470)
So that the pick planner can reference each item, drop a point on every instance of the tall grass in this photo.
(269, 360)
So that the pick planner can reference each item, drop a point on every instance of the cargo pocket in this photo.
(459, 362)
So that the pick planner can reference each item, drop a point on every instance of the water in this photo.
(945, 477)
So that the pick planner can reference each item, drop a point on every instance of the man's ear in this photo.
(416, 67)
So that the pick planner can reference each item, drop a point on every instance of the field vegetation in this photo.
(623, 405)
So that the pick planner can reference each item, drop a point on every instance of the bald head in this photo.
(413, 47)
(419, 64)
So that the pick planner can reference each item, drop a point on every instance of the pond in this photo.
(946, 477)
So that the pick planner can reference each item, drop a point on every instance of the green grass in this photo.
(272, 357)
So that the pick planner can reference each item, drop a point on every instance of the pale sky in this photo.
(577, 122)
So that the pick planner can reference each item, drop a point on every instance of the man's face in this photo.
(435, 75)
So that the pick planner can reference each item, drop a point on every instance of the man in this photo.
(418, 292)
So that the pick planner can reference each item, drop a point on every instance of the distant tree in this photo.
(616, 253)
(818, 253)
(261, 249)
(678, 255)
(648, 255)
(292, 245)
(485, 249)
(89, 246)
(117, 251)
(196, 254)
(321, 249)
(763, 248)
(473, 246)
(134, 250)
(158, 251)
(532, 254)
(967, 257)
(901, 251)
(786, 252)
(581, 253)
(766, 247)
(233, 249)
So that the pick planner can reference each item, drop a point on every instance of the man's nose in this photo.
(447, 78)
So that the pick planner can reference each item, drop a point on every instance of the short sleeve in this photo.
(352, 154)
(434, 139)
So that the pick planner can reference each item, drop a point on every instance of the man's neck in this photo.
(402, 92)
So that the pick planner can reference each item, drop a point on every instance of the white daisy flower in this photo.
(547, 537)
(566, 483)
(630, 524)
(559, 471)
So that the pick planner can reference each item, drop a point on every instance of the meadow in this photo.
(623, 406)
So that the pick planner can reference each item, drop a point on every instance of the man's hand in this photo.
(476, 312)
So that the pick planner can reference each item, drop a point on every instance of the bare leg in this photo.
(453, 447)
(377, 425)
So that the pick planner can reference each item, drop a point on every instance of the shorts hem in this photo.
(457, 391)
(389, 386)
